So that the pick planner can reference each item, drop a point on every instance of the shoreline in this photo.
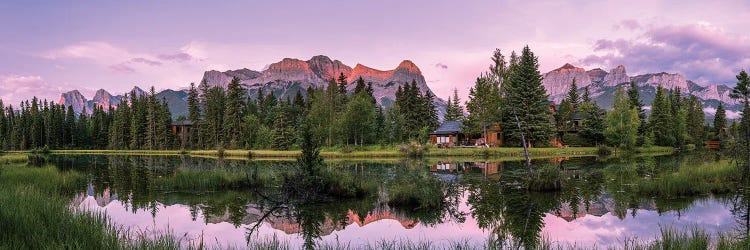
(499, 152)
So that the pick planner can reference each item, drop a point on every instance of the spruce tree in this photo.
(281, 133)
(742, 92)
(194, 115)
(660, 119)
(635, 102)
(454, 111)
(573, 97)
(232, 121)
(720, 122)
(695, 121)
(528, 99)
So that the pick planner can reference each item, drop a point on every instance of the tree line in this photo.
(513, 88)
(510, 89)
(226, 118)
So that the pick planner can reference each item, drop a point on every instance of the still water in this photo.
(212, 201)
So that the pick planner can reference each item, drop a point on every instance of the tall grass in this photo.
(714, 177)
(35, 213)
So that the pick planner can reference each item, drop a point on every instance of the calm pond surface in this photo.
(197, 200)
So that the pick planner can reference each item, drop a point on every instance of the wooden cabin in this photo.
(182, 129)
(450, 134)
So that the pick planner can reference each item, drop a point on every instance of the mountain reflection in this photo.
(480, 198)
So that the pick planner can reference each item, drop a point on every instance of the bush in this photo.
(547, 178)
(41, 150)
(414, 150)
(603, 151)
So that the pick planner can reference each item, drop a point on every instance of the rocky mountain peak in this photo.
(325, 68)
(616, 76)
(409, 66)
(104, 99)
(75, 99)
(568, 68)
(138, 91)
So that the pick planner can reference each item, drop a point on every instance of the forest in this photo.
(509, 89)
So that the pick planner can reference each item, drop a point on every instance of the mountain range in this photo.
(602, 85)
(288, 76)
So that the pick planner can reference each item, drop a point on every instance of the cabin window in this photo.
(443, 139)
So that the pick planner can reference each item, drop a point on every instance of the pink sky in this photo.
(114, 45)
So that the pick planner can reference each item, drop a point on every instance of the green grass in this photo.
(713, 177)
(35, 214)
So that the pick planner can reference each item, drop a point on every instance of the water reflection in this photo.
(478, 201)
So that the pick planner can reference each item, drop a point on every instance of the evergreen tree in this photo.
(483, 106)
(233, 106)
(528, 99)
(742, 92)
(586, 95)
(695, 121)
(214, 117)
(281, 133)
(573, 97)
(635, 102)
(454, 111)
(660, 120)
(194, 115)
(720, 122)
(592, 124)
(622, 122)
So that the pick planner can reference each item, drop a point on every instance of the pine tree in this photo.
(592, 124)
(573, 97)
(528, 100)
(281, 133)
(214, 117)
(151, 120)
(720, 122)
(742, 92)
(454, 111)
(695, 121)
(635, 102)
(194, 115)
(660, 119)
(586, 95)
(233, 114)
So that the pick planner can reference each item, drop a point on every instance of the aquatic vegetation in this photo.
(713, 177)
(547, 178)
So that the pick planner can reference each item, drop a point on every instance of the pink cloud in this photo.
(177, 57)
(17, 88)
(146, 61)
(122, 68)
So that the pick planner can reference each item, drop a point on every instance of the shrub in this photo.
(547, 178)
(414, 149)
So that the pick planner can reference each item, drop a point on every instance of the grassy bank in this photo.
(372, 152)
(713, 177)
(35, 213)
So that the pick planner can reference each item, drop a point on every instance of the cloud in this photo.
(441, 66)
(122, 68)
(146, 61)
(630, 24)
(701, 52)
(177, 57)
(17, 88)
(113, 57)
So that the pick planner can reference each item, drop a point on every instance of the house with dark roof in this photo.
(450, 134)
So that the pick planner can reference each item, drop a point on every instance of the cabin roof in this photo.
(449, 127)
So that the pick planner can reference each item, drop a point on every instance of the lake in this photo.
(228, 203)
